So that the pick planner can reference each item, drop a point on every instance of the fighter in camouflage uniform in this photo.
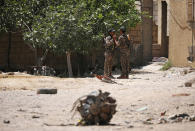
(123, 43)
(109, 52)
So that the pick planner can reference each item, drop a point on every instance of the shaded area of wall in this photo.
(20, 54)
(180, 34)
(3, 50)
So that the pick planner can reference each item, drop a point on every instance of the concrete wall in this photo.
(180, 33)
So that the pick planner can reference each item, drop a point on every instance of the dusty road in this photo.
(148, 89)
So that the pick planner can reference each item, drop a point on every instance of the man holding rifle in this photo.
(109, 44)
(123, 43)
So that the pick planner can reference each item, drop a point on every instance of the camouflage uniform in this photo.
(109, 52)
(124, 44)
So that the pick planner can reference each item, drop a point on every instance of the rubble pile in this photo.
(97, 108)
(43, 70)
(177, 118)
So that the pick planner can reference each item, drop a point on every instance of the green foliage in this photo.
(19, 14)
(166, 66)
(70, 25)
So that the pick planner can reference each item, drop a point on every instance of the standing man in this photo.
(109, 45)
(123, 43)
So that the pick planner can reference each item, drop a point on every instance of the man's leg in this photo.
(110, 66)
(128, 64)
(106, 65)
(123, 65)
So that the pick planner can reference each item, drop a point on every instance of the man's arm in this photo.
(108, 42)
(116, 41)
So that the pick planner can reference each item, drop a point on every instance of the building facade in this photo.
(175, 31)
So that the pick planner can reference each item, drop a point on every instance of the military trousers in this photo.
(108, 63)
(125, 62)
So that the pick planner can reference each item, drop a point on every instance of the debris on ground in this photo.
(189, 83)
(190, 104)
(130, 126)
(47, 91)
(149, 119)
(177, 118)
(97, 108)
(105, 79)
(10, 73)
(46, 124)
(162, 113)
(6, 121)
(21, 110)
(147, 123)
(43, 70)
(34, 116)
(192, 118)
(159, 59)
(185, 72)
(191, 70)
(162, 121)
(142, 108)
(181, 94)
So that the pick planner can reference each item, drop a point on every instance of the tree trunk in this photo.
(69, 64)
(9, 50)
(41, 59)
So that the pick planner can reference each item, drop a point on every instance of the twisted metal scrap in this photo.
(97, 108)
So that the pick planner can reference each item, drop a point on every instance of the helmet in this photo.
(123, 29)
(111, 30)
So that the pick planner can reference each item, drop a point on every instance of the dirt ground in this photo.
(148, 89)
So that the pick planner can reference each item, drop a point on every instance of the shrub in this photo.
(166, 66)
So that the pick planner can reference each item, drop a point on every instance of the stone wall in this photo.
(136, 34)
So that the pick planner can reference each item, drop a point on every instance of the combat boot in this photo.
(111, 77)
(123, 77)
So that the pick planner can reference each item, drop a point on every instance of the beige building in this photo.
(175, 30)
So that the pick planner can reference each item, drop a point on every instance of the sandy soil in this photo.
(147, 87)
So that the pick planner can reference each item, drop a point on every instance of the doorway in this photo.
(164, 35)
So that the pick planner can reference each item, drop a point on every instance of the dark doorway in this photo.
(164, 37)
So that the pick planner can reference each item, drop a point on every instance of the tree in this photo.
(71, 25)
(19, 15)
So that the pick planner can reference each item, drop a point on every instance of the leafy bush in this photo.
(166, 66)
